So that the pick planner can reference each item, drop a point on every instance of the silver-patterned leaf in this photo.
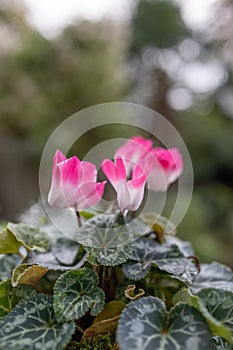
(32, 238)
(31, 325)
(145, 324)
(214, 275)
(220, 304)
(110, 256)
(221, 344)
(10, 296)
(216, 307)
(103, 231)
(185, 247)
(75, 292)
(166, 256)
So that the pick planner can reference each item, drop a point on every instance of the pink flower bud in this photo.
(74, 183)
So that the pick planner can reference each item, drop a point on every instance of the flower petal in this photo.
(87, 172)
(123, 195)
(89, 194)
(110, 171)
(136, 189)
(69, 171)
(167, 166)
(133, 151)
(121, 171)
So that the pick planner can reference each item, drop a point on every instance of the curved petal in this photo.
(167, 166)
(69, 171)
(121, 171)
(87, 173)
(58, 157)
(89, 195)
(136, 189)
(157, 180)
(56, 196)
(110, 171)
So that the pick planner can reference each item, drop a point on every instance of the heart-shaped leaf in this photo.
(10, 296)
(145, 324)
(219, 304)
(25, 274)
(213, 275)
(167, 257)
(32, 325)
(30, 237)
(75, 292)
(103, 231)
(7, 263)
(216, 307)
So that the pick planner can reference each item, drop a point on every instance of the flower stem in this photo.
(79, 218)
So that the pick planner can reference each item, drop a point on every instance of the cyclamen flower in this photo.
(129, 192)
(166, 167)
(133, 151)
(74, 183)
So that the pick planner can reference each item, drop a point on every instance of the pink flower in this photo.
(74, 183)
(129, 192)
(166, 167)
(133, 151)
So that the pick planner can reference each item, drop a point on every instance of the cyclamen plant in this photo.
(124, 281)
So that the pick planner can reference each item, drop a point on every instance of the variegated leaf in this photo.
(75, 292)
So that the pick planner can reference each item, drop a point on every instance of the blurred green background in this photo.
(160, 54)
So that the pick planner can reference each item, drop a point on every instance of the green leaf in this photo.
(109, 256)
(145, 324)
(10, 296)
(25, 274)
(31, 237)
(8, 243)
(31, 325)
(65, 250)
(166, 256)
(219, 304)
(75, 292)
(49, 261)
(215, 306)
(87, 214)
(103, 231)
(7, 263)
(213, 275)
